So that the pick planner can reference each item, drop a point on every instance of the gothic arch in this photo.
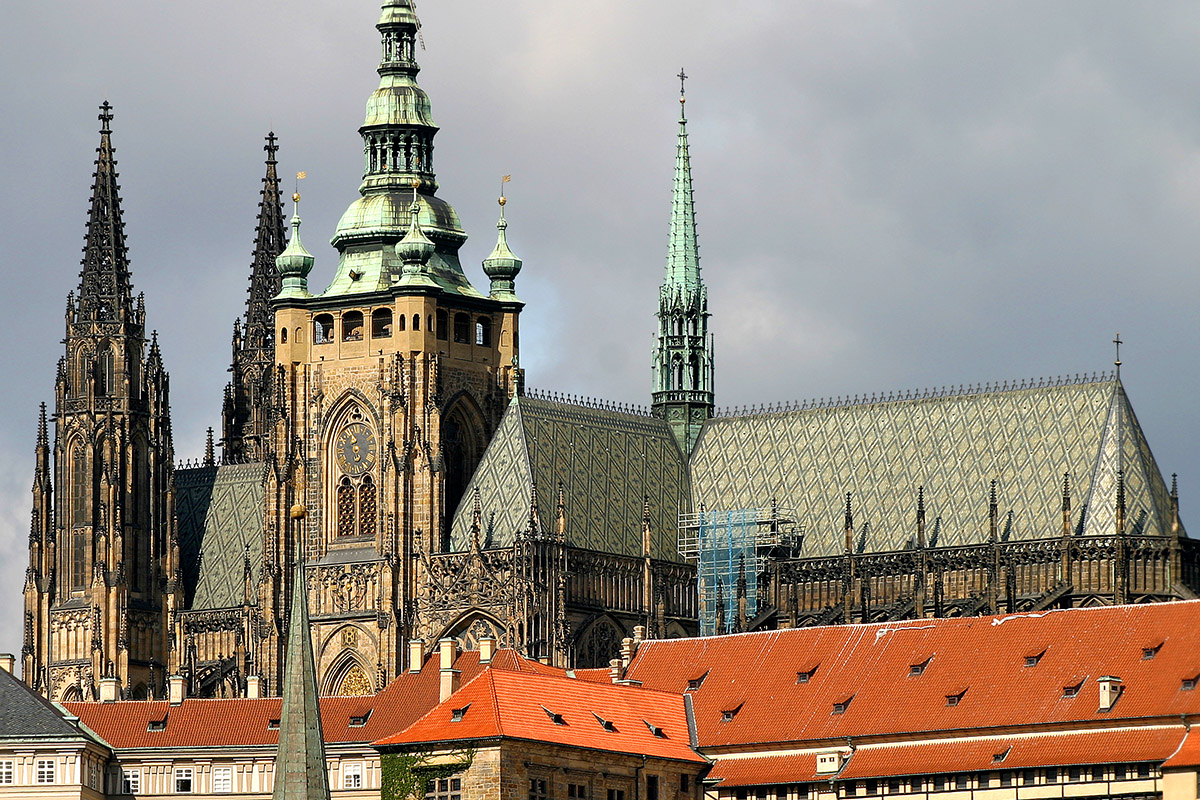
(351, 497)
(348, 675)
(599, 642)
(675, 631)
(464, 437)
(70, 694)
(473, 625)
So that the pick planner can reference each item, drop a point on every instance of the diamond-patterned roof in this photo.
(607, 462)
(953, 446)
(220, 512)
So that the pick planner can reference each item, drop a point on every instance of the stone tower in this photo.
(683, 358)
(246, 415)
(104, 556)
(388, 386)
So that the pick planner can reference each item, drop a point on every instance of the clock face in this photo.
(355, 449)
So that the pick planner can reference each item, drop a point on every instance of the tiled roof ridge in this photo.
(584, 682)
(596, 403)
(918, 624)
(932, 393)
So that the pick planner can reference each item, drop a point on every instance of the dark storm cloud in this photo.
(890, 195)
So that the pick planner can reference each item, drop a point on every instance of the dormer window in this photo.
(806, 675)
(919, 669)
(840, 707)
(157, 725)
(1188, 684)
(1150, 652)
(955, 699)
(273, 724)
(457, 714)
(1032, 659)
(696, 683)
(654, 729)
(999, 757)
(1072, 690)
(359, 720)
(728, 714)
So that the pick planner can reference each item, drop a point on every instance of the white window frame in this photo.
(186, 774)
(45, 770)
(352, 775)
(7, 772)
(131, 781)
(222, 780)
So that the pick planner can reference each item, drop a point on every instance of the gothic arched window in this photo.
(381, 323)
(443, 324)
(79, 493)
(345, 508)
(483, 332)
(367, 507)
(104, 372)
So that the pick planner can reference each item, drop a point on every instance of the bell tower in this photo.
(103, 575)
(388, 385)
(683, 358)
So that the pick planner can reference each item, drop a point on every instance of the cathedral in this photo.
(377, 433)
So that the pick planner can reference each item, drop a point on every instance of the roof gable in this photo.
(26, 715)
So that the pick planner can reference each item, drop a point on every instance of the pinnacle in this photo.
(104, 290)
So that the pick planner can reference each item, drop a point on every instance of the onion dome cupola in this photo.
(397, 136)
(415, 249)
(502, 265)
(294, 263)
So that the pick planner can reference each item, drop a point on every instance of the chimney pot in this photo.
(176, 689)
(627, 648)
(416, 649)
(449, 683)
(639, 635)
(448, 654)
(110, 688)
(253, 686)
(487, 649)
(8, 662)
(614, 669)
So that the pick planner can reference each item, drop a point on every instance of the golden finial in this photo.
(295, 197)
(298, 511)
(296, 194)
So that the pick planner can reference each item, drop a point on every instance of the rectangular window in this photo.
(684, 783)
(352, 776)
(915, 784)
(1028, 777)
(962, 781)
(577, 790)
(444, 789)
(45, 770)
(183, 780)
(1052, 775)
(537, 789)
(6, 773)
(222, 779)
(1074, 774)
(1006, 779)
(1119, 772)
(872, 787)
(651, 787)
(131, 781)
(616, 794)
(1143, 770)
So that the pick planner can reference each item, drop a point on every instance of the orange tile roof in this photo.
(243, 722)
(867, 667)
(1188, 754)
(558, 710)
(1054, 749)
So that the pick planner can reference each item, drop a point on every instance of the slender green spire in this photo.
(502, 266)
(300, 772)
(683, 360)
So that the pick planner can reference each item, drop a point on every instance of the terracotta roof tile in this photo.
(987, 656)
(244, 722)
(558, 710)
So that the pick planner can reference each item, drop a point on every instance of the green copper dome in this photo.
(502, 265)
(294, 264)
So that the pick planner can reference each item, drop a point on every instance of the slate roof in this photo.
(220, 511)
(27, 715)
(558, 710)
(869, 669)
(244, 722)
(953, 445)
(607, 462)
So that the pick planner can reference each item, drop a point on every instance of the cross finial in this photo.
(1117, 341)
(271, 147)
(105, 117)
(682, 77)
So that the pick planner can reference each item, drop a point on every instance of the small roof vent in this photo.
(157, 725)
(457, 714)
(557, 719)
(654, 729)
(607, 724)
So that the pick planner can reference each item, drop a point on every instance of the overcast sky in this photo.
(890, 195)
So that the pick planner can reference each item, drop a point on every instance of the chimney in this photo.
(639, 636)
(176, 689)
(614, 669)
(416, 648)
(253, 686)
(110, 689)
(487, 649)
(1110, 691)
(8, 662)
(627, 648)
(447, 655)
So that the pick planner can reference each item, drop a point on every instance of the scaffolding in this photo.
(733, 546)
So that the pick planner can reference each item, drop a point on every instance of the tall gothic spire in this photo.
(683, 361)
(270, 237)
(300, 772)
(104, 288)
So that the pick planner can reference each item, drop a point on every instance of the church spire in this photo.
(300, 772)
(683, 361)
(104, 288)
(270, 237)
